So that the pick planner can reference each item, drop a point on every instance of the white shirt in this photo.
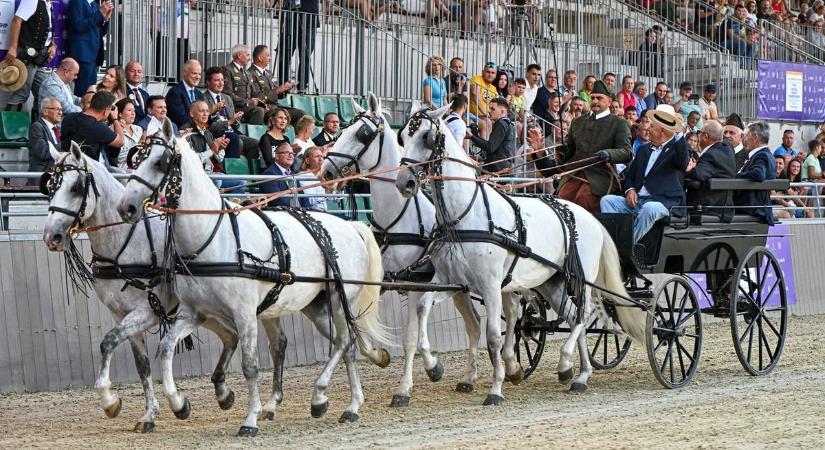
(27, 9)
(530, 96)
(655, 152)
(738, 148)
(456, 126)
(602, 114)
(304, 145)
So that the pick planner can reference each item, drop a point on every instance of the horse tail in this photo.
(632, 319)
(367, 311)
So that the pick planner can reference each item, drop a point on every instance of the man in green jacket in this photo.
(596, 134)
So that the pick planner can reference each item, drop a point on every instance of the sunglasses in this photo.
(491, 65)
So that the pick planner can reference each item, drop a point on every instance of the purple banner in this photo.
(59, 8)
(780, 245)
(789, 91)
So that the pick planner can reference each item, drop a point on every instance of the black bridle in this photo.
(365, 135)
(169, 165)
(52, 180)
(434, 141)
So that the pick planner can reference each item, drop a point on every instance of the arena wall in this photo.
(50, 334)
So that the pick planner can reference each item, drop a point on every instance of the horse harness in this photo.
(514, 240)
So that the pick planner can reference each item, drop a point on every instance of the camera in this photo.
(693, 97)
(473, 129)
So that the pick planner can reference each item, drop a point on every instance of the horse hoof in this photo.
(270, 415)
(384, 361)
(436, 372)
(184, 412)
(578, 387)
(247, 432)
(319, 410)
(400, 401)
(566, 376)
(145, 427)
(464, 388)
(348, 417)
(493, 399)
(227, 403)
(114, 410)
(515, 378)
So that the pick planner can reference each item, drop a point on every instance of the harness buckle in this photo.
(287, 278)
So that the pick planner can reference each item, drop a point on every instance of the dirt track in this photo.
(625, 407)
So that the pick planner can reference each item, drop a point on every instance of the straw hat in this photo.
(12, 76)
(665, 117)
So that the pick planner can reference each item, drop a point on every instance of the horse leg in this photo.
(146, 424)
(229, 338)
(433, 367)
(472, 325)
(553, 291)
(345, 342)
(492, 301)
(401, 397)
(277, 350)
(135, 322)
(586, 369)
(318, 312)
(182, 327)
(248, 336)
(513, 371)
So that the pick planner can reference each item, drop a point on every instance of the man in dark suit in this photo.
(237, 86)
(596, 134)
(179, 99)
(716, 161)
(655, 177)
(299, 21)
(284, 157)
(138, 95)
(87, 23)
(263, 87)
(43, 131)
(758, 166)
(332, 123)
(223, 120)
(155, 115)
(734, 135)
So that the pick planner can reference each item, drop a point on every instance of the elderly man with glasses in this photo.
(280, 168)
(43, 131)
(332, 124)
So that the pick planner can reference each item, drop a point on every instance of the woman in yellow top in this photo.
(482, 91)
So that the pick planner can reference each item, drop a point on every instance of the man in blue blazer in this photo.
(180, 98)
(284, 157)
(87, 23)
(655, 178)
(758, 166)
(138, 95)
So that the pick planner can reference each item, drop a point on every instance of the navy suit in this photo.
(139, 98)
(178, 103)
(665, 181)
(278, 186)
(759, 167)
(717, 162)
(86, 28)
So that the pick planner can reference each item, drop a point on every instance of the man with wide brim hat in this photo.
(12, 76)
(654, 181)
(597, 134)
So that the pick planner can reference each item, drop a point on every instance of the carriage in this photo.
(743, 282)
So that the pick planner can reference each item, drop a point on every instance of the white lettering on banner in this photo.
(6, 15)
(793, 91)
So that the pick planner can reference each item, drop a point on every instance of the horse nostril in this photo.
(410, 185)
(131, 210)
(57, 238)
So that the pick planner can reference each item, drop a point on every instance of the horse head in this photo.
(360, 144)
(423, 140)
(156, 164)
(72, 193)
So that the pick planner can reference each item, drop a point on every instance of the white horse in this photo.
(460, 202)
(368, 144)
(233, 299)
(83, 191)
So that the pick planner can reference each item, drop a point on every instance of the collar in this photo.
(661, 147)
(738, 148)
(706, 148)
(753, 152)
(132, 88)
(238, 66)
(186, 85)
(260, 69)
(283, 169)
(602, 114)
(49, 124)
(213, 94)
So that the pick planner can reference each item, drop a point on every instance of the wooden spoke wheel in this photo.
(674, 333)
(530, 331)
(608, 348)
(758, 311)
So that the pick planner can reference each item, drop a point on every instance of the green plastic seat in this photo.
(290, 133)
(14, 126)
(255, 166)
(255, 131)
(305, 103)
(236, 166)
(346, 109)
(324, 106)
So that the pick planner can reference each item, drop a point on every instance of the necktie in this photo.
(191, 95)
(222, 111)
(138, 97)
(56, 132)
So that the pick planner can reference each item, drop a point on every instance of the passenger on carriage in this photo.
(716, 160)
(758, 166)
(654, 179)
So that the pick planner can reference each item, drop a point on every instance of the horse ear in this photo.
(374, 103)
(415, 106)
(358, 108)
(54, 152)
(167, 129)
(76, 151)
(439, 113)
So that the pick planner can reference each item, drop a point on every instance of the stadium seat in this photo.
(346, 109)
(14, 129)
(255, 131)
(255, 166)
(323, 106)
(236, 166)
(305, 103)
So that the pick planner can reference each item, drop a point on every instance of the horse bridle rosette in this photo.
(52, 180)
(434, 140)
(169, 164)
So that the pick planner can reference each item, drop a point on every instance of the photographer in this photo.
(502, 142)
(88, 129)
(456, 77)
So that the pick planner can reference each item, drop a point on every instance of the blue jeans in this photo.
(645, 214)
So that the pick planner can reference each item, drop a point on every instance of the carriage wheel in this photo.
(609, 348)
(758, 311)
(530, 331)
(674, 333)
